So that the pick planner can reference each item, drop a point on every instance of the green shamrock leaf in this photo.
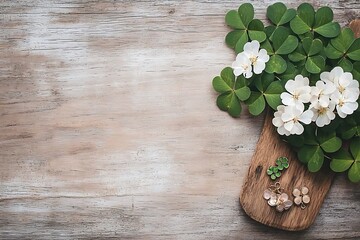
(283, 43)
(320, 22)
(278, 14)
(267, 90)
(231, 90)
(344, 47)
(313, 156)
(310, 53)
(328, 141)
(343, 161)
(350, 126)
(245, 27)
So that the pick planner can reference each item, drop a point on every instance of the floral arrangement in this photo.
(306, 69)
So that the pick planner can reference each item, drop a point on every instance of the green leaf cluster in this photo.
(275, 171)
(317, 145)
(345, 51)
(255, 93)
(245, 27)
(302, 41)
(348, 160)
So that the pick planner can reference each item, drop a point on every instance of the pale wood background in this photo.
(108, 125)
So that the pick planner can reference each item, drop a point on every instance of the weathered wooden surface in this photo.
(108, 125)
(269, 148)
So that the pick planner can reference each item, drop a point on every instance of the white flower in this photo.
(345, 103)
(257, 57)
(278, 122)
(242, 65)
(299, 92)
(250, 60)
(287, 119)
(347, 90)
(323, 115)
(320, 94)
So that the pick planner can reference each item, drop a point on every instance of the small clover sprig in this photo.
(307, 69)
(275, 171)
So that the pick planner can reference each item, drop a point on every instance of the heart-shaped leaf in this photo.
(229, 102)
(350, 126)
(323, 16)
(234, 36)
(355, 148)
(304, 19)
(312, 47)
(315, 64)
(332, 52)
(356, 70)
(233, 19)
(354, 51)
(323, 23)
(246, 13)
(220, 85)
(279, 14)
(343, 42)
(354, 172)
(298, 55)
(242, 91)
(328, 30)
(290, 72)
(239, 46)
(341, 161)
(256, 103)
(267, 46)
(272, 94)
(283, 42)
(225, 82)
(276, 64)
(313, 156)
(329, 142)
(346, 65)
(256, 30)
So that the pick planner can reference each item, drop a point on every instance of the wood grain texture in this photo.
(109, 128)
(269, 148)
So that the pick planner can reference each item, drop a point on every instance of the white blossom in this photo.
(345, 103)
(242, 65)
(320, 94)
(251, 60)
(347, 90)
(257, 57)
(323, 115)
(288, 119)
(299, 92)
(278, 122)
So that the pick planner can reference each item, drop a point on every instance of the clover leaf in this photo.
(328, 141)
(283, 43)
(267, 90)
(350, 126)
(344, 160)
(278, 14)
(231, 90)
(246, 27)
(256, 103)
(273, 172)
(317, 142)
(310, 52)
(307, 20)
(345, 48)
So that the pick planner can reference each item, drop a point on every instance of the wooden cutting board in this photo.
(269, 148)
